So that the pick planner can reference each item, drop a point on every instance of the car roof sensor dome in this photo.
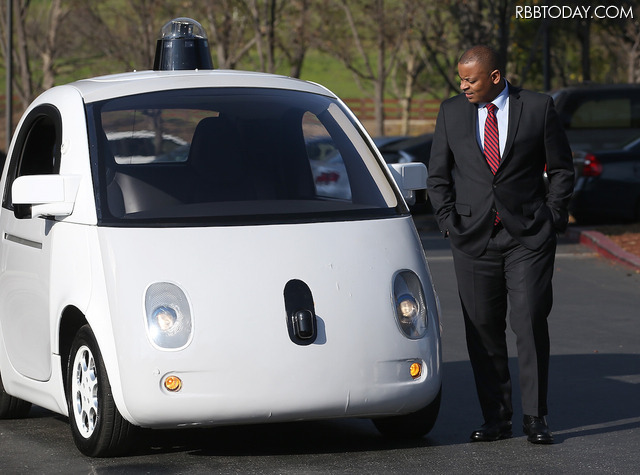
(182, 44)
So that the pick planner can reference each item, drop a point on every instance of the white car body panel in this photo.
(240, 365)
(96, 89)
(240, 333)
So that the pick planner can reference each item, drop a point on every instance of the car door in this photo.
(25, 249)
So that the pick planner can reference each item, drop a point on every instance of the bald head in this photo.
(483, 55)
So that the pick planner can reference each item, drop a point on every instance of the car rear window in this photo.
(233, 155)
(597, 119)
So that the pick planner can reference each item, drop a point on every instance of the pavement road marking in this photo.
(627, 378)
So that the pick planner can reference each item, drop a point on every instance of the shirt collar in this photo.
(501, 100)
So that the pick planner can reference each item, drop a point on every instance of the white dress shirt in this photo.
(502, 115)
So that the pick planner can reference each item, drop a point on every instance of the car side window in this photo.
(37, 148)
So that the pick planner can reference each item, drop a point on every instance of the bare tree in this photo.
(483, 22)
(296, 35)
(621, 37)
(441, 46)
(45, 19)
(632, 48)
(264, 15)
(50, 49)
(126, 32)
(23, 83)
(368, 45)
(229, 31)
(420, 65)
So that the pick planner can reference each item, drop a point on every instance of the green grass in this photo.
(318, 67)
(331, 73)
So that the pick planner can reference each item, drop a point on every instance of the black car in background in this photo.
(607, 185)
(405, 149)
(603, 126)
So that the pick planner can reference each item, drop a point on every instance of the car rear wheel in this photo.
(410, 426)
(97, 427)
(12, 407)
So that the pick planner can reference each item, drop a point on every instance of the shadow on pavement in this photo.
(589, 394)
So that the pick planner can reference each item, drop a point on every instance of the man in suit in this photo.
(490, 198)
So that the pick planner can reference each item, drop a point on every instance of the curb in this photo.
(604, 246)
(595, 240)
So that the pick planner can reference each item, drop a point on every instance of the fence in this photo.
(421, 109)
(422, 117)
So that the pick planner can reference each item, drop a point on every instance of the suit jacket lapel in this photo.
(515, 109)
(471, 118)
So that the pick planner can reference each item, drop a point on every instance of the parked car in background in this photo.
(385, 140)
(328, 168)
(603, 127)
(599, 117)
(607, 185)
(407, 149)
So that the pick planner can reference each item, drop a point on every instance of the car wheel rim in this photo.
(84, 390)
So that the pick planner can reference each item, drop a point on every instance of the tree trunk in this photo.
(299, 38)
(381, 75)
(584, 28)
(21, 54)
(270, 18)
(410, 79)
(49, 52)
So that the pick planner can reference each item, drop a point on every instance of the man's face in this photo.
(479, 84)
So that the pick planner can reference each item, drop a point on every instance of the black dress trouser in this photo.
(507, 271)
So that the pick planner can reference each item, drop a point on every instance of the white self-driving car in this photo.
(212, 282)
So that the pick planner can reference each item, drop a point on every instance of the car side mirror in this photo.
(44, 195)
(409, 177)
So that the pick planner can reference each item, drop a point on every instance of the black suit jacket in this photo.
(465, 193)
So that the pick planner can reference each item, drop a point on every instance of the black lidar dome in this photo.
(182, 44)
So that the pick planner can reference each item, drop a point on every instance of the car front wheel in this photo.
(12, 407)
(410, 426)
(97, 427)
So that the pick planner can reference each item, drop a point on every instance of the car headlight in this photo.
(169, 322)
(410, 306)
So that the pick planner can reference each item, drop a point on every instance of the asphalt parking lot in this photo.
(594, 409)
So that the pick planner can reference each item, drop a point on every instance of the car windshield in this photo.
(233, 155)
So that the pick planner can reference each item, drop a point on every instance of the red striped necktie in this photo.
(492, 142)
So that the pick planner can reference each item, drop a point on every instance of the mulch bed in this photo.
(625, 236)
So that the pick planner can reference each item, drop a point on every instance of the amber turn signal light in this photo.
(173, 383)
(415, 370)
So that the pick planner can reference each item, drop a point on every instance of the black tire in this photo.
(97, 427)
(12, 407)
(410, 426)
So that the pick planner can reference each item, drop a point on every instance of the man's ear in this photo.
(495, 76)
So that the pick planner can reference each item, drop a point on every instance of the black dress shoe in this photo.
(537, 430)
(491, 431)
